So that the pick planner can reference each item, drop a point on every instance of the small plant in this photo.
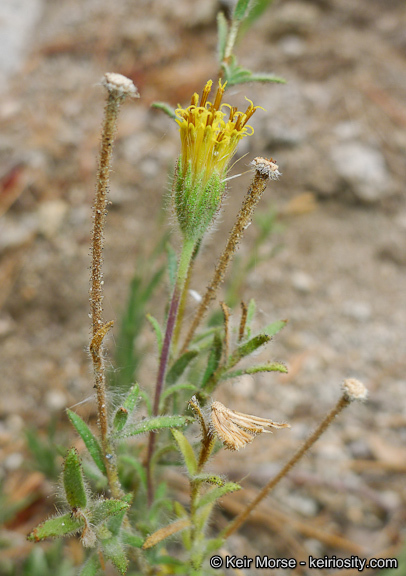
(118, 502)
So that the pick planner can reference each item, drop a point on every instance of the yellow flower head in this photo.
(209, 139)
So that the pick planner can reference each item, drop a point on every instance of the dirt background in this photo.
(338, 132)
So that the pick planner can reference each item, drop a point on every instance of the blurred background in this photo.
(333, 261)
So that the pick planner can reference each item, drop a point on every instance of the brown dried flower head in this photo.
(266, 167)
(354, 389)
(235, 429)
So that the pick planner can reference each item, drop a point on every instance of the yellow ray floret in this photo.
(208, 138)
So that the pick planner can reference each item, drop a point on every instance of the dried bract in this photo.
(266, 167)
(235, 429)
(354, 389)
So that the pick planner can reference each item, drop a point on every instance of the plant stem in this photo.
(244, 216)
(241, 518)
(183, 267)
(118, 88)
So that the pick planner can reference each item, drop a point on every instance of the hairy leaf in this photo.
(88, 438)
(156, 423)
(73, 482)
(222, 32)
(91, 567)
(180, 366)
(106, 509)
(114, 551)
(167, 108)
(241, 9)
(214, 358)
(218, 492)
(124, 411)
(186, 451)
(271, 367)
(56, 527)
(158, 331)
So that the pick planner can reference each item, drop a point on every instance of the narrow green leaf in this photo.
(158, 331)
(147, 401)
(73, 482)
(115, 522)
(55, 527)
(114, 551)
(124, 411)
(176, 388)
(165, 108)
(241, 9)
(131, 539)
(247, 348)
(186, 451)
(210, 479)
(222, 33)
(178, 368)
(214, 358)
(274, 328)
(213, 544)
(272, 367)
(252, 306)
(218, 492)
(264, 77)
(138, 467)
(88, 438)
(106, 509)
(156, 423)
(91, 567)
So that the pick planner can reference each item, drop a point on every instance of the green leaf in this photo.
(55, 527)
(131, 539)
(158, 331)
(91, 567)
(176, 388)
(138, 467)
(216, 493)
(106, 509)
(271, 367)
(252, 306)
(247, 348)
(222, 33)
(73, 482)
(186, 451)
(114, 551)
(124, 411)
(167, 108)
(210, 479)
(264, 77)
(214, 358)
(241, 9)
(274, 328)
(153, 424)
(115, 522)
(88, 438)
(178, 368)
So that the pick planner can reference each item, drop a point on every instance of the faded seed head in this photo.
(119, 84)
(266, 167)
(354, 390)
(236, 429)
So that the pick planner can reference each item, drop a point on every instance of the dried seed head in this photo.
(235, 429)
(266, 167)
(354, 389)
(120, 84)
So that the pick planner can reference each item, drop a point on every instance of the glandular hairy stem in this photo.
(118, 88)
(183, 267)
(264, 171)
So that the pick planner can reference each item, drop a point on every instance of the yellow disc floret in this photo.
(208, 138)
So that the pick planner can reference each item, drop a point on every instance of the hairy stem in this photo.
(118, 88)
(184, 263)
(244, 216)
(241, 518)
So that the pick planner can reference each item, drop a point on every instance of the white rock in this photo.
(363, 168)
